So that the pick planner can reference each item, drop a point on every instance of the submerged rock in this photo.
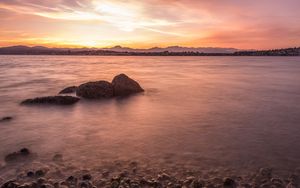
(58, 158)
(71, 89)
(57, 100)
(95, 90)
(123, 85)
(16, 156)
(6, 118)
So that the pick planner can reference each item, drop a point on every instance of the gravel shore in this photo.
(59, 173)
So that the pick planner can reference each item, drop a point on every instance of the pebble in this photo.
(163, 177)
(291, 185)
(30, 174)
(229, 183)
(87, 177)
(40, 173)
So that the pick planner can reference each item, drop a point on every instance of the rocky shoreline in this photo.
(59, 173)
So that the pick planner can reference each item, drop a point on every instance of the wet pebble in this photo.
(30, 174)
(229, 183)
(291, 185)
(87, 177)
(40, 173)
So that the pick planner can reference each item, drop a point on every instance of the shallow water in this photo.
(240, 113)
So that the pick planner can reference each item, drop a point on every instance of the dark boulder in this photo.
(16, 156)
(95, 90)
(56, 100)
(123, 85)
(71, 89)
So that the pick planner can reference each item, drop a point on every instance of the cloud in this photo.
(193, 22)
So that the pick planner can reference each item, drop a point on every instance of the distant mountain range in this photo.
(20, 49)
(173, 49)
(156, 51)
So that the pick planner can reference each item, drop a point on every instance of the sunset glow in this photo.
(142, 24)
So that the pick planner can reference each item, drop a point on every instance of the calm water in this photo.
(212, 112)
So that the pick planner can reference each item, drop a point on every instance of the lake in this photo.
(232, 113)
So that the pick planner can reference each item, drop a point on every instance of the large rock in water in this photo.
(95, 90)
(123, 85)
(57, 100)
(71, 89)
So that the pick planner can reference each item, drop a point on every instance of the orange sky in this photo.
(244, 24)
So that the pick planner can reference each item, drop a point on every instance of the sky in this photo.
(243, 24)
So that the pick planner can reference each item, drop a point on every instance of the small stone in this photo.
(71, 178)
(30, 174)
(40, 173)
(189, 180)
(34, 185)
(294, 178)
(114, 184)
(124, 174)
(84, 185)
(291, 185)
(26, 185)
(56, 185)
(134, 185)
(197, 184)
(163, 177)
(10, 184)
(105, 174)
(41, 181)
(46, 185)
(265, 172)
(25, 151)
(87, 177)
(229, 183)
(265, 185)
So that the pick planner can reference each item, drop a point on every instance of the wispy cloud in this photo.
(187, 22)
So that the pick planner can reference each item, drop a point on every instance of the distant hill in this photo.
(173, 49)
(156, 51)
(42, 49)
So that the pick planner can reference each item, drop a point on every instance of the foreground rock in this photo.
(6, 118)
(95, 90)
(71, 89)
(55, 100)
(18, 156)
(123, 85)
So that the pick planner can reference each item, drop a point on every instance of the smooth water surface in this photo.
(234, 112)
